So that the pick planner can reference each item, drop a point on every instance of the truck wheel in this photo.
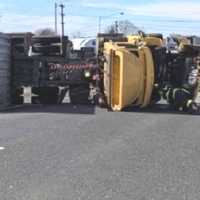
(48, 49)
(46, 40)
(79, 94)
(157, 35)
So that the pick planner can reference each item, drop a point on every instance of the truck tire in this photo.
(46, 40)
(47, 49)
(79, 94)
(157, 35)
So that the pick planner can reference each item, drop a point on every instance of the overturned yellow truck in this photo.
(138, 70)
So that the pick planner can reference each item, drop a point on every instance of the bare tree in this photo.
(125, 26)
(45, 32)
(77, 34)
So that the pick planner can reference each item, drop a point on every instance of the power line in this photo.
(56, 16)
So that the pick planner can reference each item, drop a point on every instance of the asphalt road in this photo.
(65, 153)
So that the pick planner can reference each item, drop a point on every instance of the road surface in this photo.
(82, 153)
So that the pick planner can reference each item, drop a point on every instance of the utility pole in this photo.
(62, 19)
(56, 18)
(99, 29)
(116, 26)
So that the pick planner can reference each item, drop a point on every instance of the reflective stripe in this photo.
(186, 91)
(167, 95)
(188, 103)
(181, 89)
(174, 92)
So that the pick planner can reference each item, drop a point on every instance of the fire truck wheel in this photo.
(79, 94)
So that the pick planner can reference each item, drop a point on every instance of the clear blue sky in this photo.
(171, 16)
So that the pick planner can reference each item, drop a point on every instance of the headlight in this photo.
(87, 74)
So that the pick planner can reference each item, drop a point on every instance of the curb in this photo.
(8, 108)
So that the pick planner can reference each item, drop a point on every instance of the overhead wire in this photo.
(150, 22)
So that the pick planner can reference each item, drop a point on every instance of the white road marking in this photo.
(2, 148)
